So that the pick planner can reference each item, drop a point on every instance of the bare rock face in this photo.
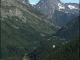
(12, 7)
(49, 6)
(11, 1)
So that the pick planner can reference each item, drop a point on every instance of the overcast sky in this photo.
(65, 1)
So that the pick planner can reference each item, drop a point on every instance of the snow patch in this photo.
(61, 6)
(72, 7)
(53, 46)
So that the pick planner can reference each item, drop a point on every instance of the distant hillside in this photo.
(61, 18)
(71, 30)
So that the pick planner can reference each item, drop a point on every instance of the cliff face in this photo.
(11, 7)
(49, 6)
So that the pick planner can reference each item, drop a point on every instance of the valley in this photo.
(28, 33)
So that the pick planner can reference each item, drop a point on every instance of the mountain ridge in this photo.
(56, 5)
(70, 30)
(22, 28)
(49, 7)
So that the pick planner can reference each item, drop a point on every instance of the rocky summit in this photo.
(49, 6)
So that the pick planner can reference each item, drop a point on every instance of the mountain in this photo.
(55, 49)
(15, 11)
(70, 30)
(61, 18)
(57, 53)
(49, 7)
(22, 28)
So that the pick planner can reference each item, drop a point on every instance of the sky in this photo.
(34, 1)
(65, 1)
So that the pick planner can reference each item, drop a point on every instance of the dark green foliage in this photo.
(71, 30)
(68, 51)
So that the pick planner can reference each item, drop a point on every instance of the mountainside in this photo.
(27, 32)
(48, 7)
(71, 30)
(24, 12)
(66, 42)
(22, 28)
(61, 18)
(57, 53)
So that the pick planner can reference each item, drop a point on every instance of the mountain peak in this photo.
(50, 6)
(49, 1)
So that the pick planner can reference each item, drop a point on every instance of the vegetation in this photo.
(63, 45)
(22, 29)
(26, 34)
(69, 51)
(61, 19)
(70, 31)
